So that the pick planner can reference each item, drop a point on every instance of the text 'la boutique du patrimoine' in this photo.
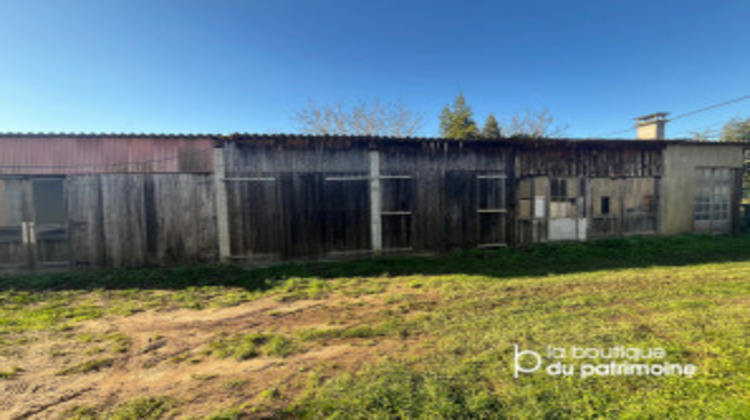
(621, 361)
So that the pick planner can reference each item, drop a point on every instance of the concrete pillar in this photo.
(376, 228)
(222, 212)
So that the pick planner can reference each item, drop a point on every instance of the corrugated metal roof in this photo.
(511, 140)
(70, 153)
(75, 154)
(289, 136)
(111, 135)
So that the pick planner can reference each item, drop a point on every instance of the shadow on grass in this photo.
(536, 260)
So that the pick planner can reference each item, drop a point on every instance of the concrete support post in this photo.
(222, 212)
(376, 229)
(621, 204)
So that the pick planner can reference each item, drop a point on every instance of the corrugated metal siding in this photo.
(78, 155)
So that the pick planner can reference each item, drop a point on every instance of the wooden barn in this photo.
(132, 200)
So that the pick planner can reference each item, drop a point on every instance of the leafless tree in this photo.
(364, 118)
(532, 124)
(707, 134)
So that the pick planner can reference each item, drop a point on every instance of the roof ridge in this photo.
(355, 137)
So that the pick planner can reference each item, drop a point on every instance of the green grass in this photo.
(93, 365)
(227, 414)
(221, 284)
(698, 313)
(10, 374)
(59, 301)
(248, 346)
(235, 384)
(397, 391)
(689, 295)
(143, 408)
(392, 326)
(80, 413)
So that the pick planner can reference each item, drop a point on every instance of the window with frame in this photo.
(398, 194)
(563, 196)
(712, 194)
(491, 210)
(558, 190)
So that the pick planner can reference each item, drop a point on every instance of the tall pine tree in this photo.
(491, 128)
(458, 123)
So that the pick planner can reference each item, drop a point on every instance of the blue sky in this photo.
(246, 66)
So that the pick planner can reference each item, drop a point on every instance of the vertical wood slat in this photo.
(130, 220)
(736, 200)
(254, 209)
(460, 209)
(299, 196)
(346, 212)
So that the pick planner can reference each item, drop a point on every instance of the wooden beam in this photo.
(238, 179)
(347, 178)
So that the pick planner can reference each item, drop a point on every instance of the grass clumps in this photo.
(305, 288)
(278, 346)
(80, 413)
(48, 311)
(248, 346)
(389, 328)
(235, 384)
(270, 394)
(398, 391)
(227, 414)
(118, 342)
(358, 331)
(688, 295)
(89, 366)
(145, 408)
(10, 374)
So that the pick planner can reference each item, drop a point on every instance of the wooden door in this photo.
(15, 212)
(33, 224)
(48, 229)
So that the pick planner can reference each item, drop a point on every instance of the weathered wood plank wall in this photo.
(590, 159)
(129, 220)
(445, 180)
(310, 197)
(307, 202)
(307, 197)
(295, 199)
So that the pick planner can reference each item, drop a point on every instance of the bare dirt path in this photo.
(167, 353)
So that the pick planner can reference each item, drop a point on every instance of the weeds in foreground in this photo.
(235, 384)
(89, 366)
(144, 408)
(397, 391)
(10, 374)
(687, 295)
(247, 346)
